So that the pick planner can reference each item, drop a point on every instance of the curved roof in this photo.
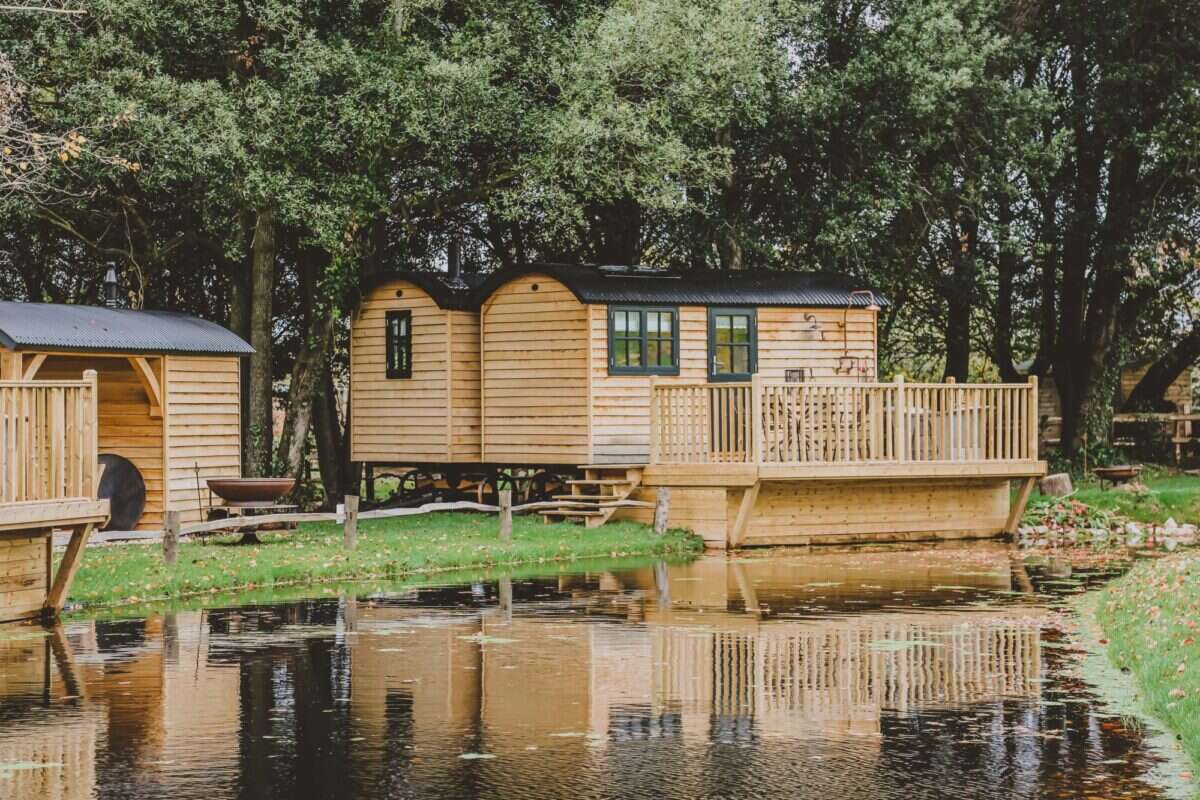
(79, 328)
(452, 294)
(619, 284)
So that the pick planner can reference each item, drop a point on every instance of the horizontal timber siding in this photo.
(535, 374)
(202, 407)
(399, 420)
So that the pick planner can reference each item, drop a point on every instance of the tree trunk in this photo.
(1148, 394)
(331, 455)
(262, 286)
(309, 364)
(727, 233)
(959, 293)
(1006, 267)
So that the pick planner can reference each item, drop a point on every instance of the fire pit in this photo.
(250, 492)
(1119, 473)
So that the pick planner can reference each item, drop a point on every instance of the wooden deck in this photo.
(795, 463)
(48, 481)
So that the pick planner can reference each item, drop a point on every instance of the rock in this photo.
(1170, 544)
(1056, 485)
(1170, 524)
(1133, 529)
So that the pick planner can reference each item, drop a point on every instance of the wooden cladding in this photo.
(763, 422)
(48, 440)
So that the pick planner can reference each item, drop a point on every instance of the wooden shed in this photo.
(569, 351)
(169, 396)
(414, 362)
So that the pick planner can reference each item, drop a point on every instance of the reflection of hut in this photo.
(169, 396)
(55, 753)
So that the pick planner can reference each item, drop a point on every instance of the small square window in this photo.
(643, 341)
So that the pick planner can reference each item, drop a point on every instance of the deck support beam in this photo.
(745, 511)
(71, 559)
(1018, 507)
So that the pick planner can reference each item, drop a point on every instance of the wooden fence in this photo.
(764, 422)
(48, 440)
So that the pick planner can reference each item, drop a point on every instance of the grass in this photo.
(388, 549)
(1168, 495)
(1151, 620)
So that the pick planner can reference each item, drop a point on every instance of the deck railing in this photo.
(762, 422)
(48, 444)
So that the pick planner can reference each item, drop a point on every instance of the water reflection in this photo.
(836, 674)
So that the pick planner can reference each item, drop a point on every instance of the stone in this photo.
(1056, 485)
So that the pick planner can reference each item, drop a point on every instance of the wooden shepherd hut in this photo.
(569, 351)
(169, 407)
(414, 361)
(754, 397)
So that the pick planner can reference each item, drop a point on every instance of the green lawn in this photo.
(1169, 495)
(1151, 618)
(387, 549)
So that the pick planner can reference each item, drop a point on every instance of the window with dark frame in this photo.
(732, 344)
(643, 340)
(398, 336)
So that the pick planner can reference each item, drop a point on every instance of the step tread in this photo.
(599, 482)
(572, 513)
(583, 498)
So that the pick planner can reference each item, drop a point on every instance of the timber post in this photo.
(1033, 417)
(350, 532)
(756, 418)
(91, 434)
(170, 540)
(662, 510)
(506, 523)
(901, 418)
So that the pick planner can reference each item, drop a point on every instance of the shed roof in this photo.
(80, 328)
(449, 292)
(622, 284)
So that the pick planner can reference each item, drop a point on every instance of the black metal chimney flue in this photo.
(454, 258)
(111, 289)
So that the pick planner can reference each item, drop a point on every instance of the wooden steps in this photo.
(592, 496)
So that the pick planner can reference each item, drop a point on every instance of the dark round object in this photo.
(125, 489)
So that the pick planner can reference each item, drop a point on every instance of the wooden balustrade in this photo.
(48, 440)
(842, 423)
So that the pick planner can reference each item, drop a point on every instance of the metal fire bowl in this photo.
(1119, 473)
(250, 492)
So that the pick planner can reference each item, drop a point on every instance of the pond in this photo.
(931, 673)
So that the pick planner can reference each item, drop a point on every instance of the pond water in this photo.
(831, 674)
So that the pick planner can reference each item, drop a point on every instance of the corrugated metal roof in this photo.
(78, 328)
(613, 284)
(450, 293)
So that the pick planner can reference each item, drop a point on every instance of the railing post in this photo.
(1033, 417)
(655, 423)
(901, 419)
(91, 448)
(756, 420)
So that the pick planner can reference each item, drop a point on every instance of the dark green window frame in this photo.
(642, 345)
(397, 334)
(724, 350)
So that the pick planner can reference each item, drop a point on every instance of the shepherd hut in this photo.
(169, 407)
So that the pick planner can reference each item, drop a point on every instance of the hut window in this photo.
(643, 340)
(399, 344)
(732, 344)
